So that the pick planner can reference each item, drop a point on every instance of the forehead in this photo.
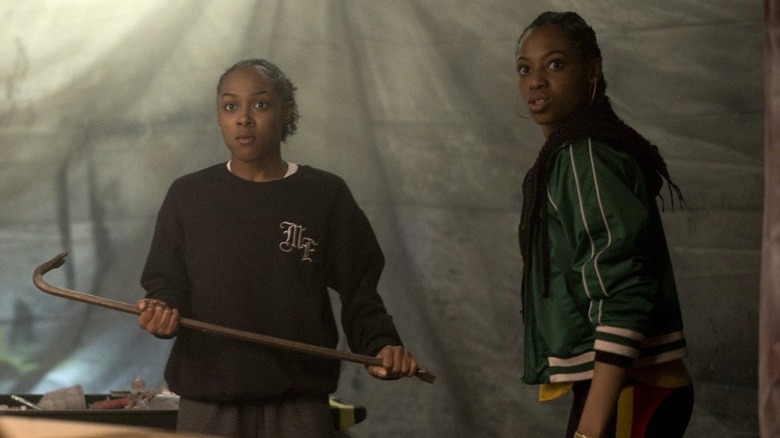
(543, 40)
(247, 79)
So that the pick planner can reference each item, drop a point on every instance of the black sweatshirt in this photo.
(260, 257)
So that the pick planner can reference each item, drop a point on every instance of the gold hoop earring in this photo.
(593, 94)
(514, 105)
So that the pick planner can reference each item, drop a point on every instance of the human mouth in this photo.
(537, 102)
(245, 138)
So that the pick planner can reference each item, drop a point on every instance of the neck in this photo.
(258, 173)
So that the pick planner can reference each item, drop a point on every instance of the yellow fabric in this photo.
(625, 409)
(551, 391)
(346, 413)
(672, 374)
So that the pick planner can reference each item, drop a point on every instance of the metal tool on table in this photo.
(26, 402)
(271, 341)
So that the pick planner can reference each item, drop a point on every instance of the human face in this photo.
(554, 78)
(251, 116)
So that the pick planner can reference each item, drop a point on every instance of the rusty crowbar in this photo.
(270, 341)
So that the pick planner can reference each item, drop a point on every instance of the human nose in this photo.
(536, 79)
(245, 118)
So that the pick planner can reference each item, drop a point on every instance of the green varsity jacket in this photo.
(611, 285)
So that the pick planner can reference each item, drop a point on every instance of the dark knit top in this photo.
(260, 257)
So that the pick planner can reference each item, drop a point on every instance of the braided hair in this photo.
(596, 120)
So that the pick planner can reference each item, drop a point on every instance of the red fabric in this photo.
(645, 401)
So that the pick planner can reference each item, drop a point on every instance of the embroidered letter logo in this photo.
(293, 235)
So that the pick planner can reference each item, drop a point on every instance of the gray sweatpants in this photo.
(294, 417)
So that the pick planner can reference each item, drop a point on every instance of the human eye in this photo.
(229, 106)
(555, 64)
(523, 70)
(260, 105)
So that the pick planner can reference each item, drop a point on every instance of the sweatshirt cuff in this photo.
(378, 344)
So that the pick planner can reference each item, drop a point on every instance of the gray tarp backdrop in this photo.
(104, 103)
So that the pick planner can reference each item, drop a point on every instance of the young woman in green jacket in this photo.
(600, 304)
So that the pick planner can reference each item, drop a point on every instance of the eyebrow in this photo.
(546, 55)
(256, 93)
